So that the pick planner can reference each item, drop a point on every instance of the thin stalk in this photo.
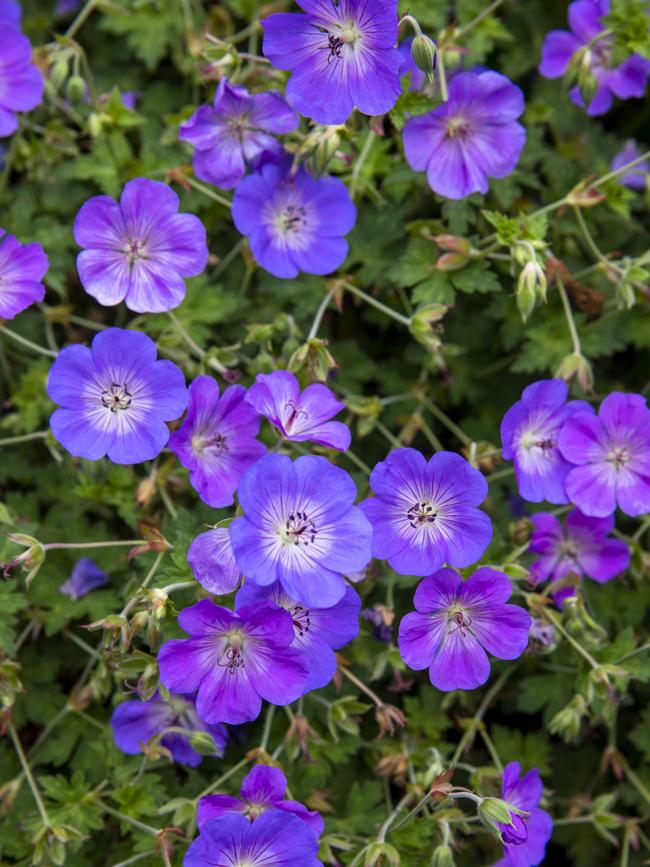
(118, 543)
(494, 755)
(28, 344)
(489, 10)
(318, 318)
(359, 683)
(209, 193)
(480, 713)
(444, 419)
(388, 311)
(81, 18)
(136, 858)
(549, 615)
(23, 438)
(214, 786)
(356, 460)
(572, 820)
(129, 819)
(22, 758)
(193, 345)
(268, 722)
(413, 812)
(359, 162)
(589, 238)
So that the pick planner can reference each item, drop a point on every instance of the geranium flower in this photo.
(456, 622)
(232, 134)
(139, 250)
(299, 416)
(529, 434)
(318, 632)
(636, 178)
(233, 661)
(294, 222)
(612, 454)
(276, 839)
(213, 562)
(626, 80)
(425, 513)
(21, 83)
(115, 397)
(342, 55)
(216, 441)
(262, 789)
(300, 528)
(85, 577)
(524, 841)
(471, 137)
(136, 722)
(22, 268)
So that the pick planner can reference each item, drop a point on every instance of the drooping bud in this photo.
(203, 743)
(75, 89)
(531, 286)
(442, 857)
(576, 365)
(567, 721)
(424, 54)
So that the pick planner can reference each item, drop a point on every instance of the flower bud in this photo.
(314, 355)
(451, 262)
(531, 286)
(423, 52)
(495, 812)
(59, 72)
(567, 721)
(379, 850)
(75, 89)
(453, 244)
(203, 743)
(442, 857)
(576, 365)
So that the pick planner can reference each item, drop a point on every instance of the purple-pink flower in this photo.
(262, 789)
(318, 632)
(85, 577)
(529, 435)
(524, 841)
(299, 415)
(115, 397)
(22, 268)
(625, 80)
(139, 250)
(233, 134)
(425, 513)
(456, 622)
(213, 562)
(471, 137)
(10, 12)
(611, 457)
(21, 82)
(233, 661)
(217, 440)
(342, 55)
(293, 222)
(635, 178)
(136, 722)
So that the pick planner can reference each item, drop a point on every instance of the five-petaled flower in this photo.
(611, 454)
(471, 137)
(217, 440)
(139, 250)
(342, 54)
(456, 622)
(235, 132)
(22, 268)
(233, 661)
(300, 528)
(294, 222)
(525, 839)
(21, 82)
(299, 416)
(115, 397)
(424, 513)
(635, 178)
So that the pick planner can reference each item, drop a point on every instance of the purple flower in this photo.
(65, 7)
(471, 137)
(318, 632)
(381, 630)
(407, 64)
(543, 633)
(524, 842)
(262, 789)
(22, 268)
(85, 577)
(216, 441)
(425, 513)
(136, 722)
(139, 250)
(21, 83)
(299, 416)
(612, 451)
(529, 435)
(213, 562)
(233, 660)
(115, 398)
(276, 839)
(456, 622)
(582, 547)
(626, 80)
(235, 132)
(300, 528)
(341, 55)
(294, 222)
(636, 178)
(10, 13)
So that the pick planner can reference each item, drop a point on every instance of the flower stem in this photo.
(549, 615)
(383, 308)
(214, 786)
(41, 350)
(318, 318)
(194, 346)
(81, 18)
(489, 10)
(357, 682)
(480, 713)
(28, 775)
(23, 438)
(358, 165)
(268, 722)
(569, 317)
(52, 546)
(129, 819)
(443, 418)
(201, 188)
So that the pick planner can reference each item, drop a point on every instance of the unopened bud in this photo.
(442, 857)
(451, 262)
(423, 52)
(384, 851)
(531, 286)
(495, 812)
(203, 743)
(453, 244)
(59, 73)
(323, 153)
(576, 365)
(75, 89)
(567, 721)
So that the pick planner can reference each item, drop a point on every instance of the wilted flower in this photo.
(456, 622)
(294, 222)
(22, 268)
(425, 513)
(299, 416)
(213, 562)
(115, 397)
(22, 82)
(612, 454)
(525, 839)
(217, 440)
(471, 137)
(232, 134)
(300, 527)
(136, 722)
(233, 660)
(529, 433)
(342, 55)
(636, 178)
(85, 577)
(139, 250)
(262, 789)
